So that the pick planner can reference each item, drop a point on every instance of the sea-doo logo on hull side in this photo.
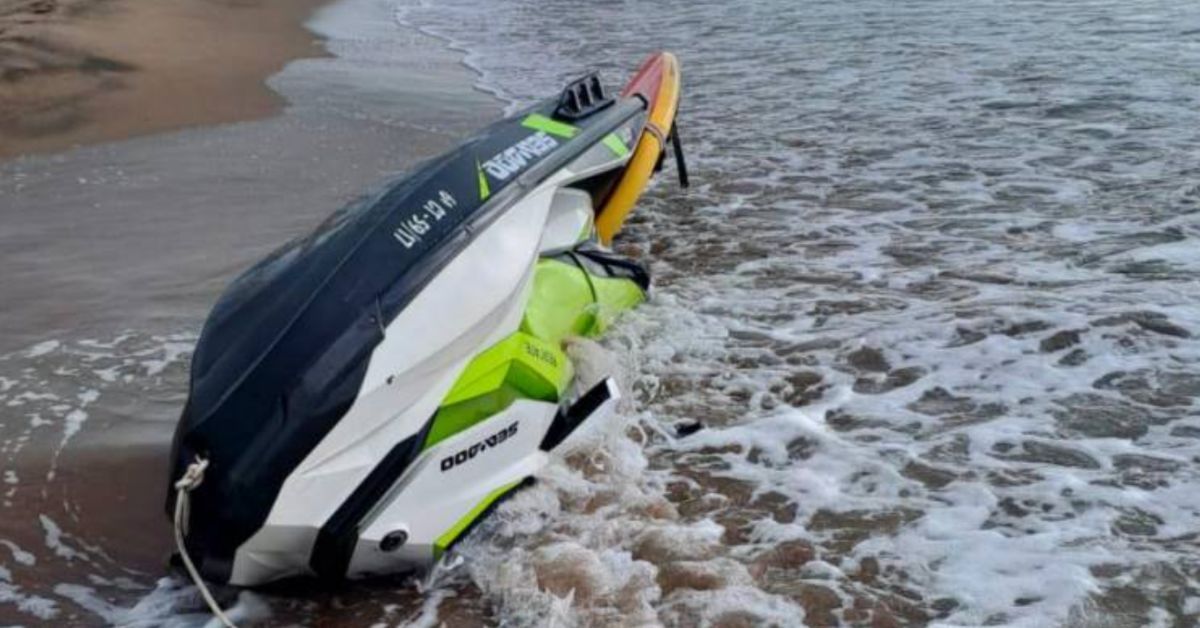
(449, 462)
(514, 158)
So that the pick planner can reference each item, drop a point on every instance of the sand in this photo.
(76, 72)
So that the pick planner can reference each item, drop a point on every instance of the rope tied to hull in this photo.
(191, 479)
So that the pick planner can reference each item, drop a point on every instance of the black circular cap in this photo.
(393, 541)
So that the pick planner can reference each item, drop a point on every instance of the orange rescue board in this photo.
(656, 81)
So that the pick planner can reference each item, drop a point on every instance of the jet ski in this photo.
(365, 394)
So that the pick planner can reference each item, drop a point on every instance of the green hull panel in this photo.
(565, 302)
(519, 367)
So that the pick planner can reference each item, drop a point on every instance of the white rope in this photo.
(183, 487)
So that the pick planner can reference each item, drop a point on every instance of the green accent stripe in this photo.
(519, 367)
(539, 122)
(484, 190)
(615, 144)
(448, 537)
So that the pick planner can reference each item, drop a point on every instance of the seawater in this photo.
(934, 293)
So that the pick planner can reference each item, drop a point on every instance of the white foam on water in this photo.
(109, 374)
(60, 388)
(21, 556)
(42, 348)
(171, 604)
(72, 423)
(111, 343)
(28, 396)
(39, 607)
(120, 582)
(159, 604)
(1012, 232)
(12, 595)
(427, 616)
(54, 541)
(171, 351)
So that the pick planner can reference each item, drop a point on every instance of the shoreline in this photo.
(79, 72)
(113, 254)
(174, 195)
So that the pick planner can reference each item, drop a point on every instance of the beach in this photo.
(932, 296)
(134, 190)
(76, 72)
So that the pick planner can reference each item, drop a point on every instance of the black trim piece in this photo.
(586, 275)
(615, 265)
(680, 164)
(338, 536)
(581, 98)
(566, 421)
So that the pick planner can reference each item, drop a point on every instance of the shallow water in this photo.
(111, 256)
(935, 292)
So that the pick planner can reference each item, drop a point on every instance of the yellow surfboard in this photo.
(657, 83)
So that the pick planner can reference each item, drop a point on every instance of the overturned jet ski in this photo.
(362, 396)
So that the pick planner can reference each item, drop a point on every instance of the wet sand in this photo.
(76, 72)
(112, 254)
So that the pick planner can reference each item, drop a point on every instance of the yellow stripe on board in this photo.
(612, 216)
